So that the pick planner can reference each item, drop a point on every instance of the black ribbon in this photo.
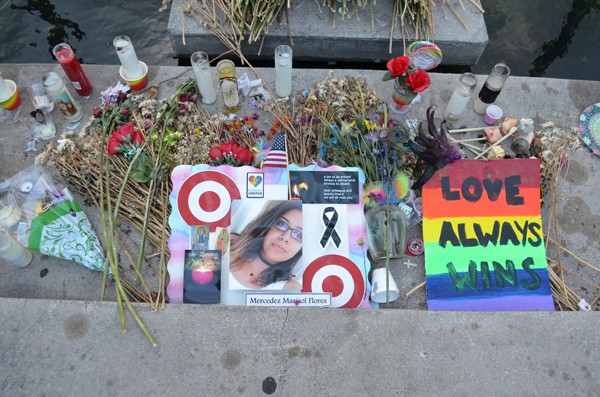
(330, 231)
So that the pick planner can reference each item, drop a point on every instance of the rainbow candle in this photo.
(9, 95)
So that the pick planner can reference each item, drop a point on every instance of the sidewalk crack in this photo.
(283, 352)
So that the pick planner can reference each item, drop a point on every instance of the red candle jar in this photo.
(66, 57)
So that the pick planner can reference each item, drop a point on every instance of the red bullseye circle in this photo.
(337, 275)
(334, 285)
(205, 199)
(210, 201)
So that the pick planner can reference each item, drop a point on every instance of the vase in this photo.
(403, 97)
(386, 227)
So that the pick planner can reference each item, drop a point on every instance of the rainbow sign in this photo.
(484, 245)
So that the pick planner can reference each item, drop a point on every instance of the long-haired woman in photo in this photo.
(263, 255)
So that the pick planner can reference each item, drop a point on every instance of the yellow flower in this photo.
(369, 125)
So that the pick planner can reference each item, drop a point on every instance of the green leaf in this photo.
(387, 76)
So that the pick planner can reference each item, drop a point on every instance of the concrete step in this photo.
(363, 38)
(65, 348)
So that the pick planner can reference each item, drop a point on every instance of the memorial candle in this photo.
(127, 56)
(66, 57)
(4, 90)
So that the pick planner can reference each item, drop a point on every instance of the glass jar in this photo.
(68, 61)
(386, 227)
(460, 97)
(57, 91)
(283, 71)
(228, 85)
(201, 68)
(491, 88)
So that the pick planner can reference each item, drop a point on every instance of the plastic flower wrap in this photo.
(45, 218)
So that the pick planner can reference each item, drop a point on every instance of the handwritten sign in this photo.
(484, 246)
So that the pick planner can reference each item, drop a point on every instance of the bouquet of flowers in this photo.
(409, 72)
(408, 82)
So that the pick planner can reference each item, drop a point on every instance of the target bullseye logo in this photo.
(337, 275)
(205, 199)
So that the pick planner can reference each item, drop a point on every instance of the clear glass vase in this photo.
(386, 227)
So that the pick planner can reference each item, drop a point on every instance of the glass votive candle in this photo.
(201, 68)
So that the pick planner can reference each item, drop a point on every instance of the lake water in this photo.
(557, 38)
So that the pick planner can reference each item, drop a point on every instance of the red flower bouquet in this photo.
(126, 140)
(408, 83)
(230, 153)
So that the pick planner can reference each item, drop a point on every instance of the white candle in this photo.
(13, 252)
(201, 68)
(9, 215)
(127, 56)
(283, 71)
(4, 90)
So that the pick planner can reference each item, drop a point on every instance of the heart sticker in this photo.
(255, 180)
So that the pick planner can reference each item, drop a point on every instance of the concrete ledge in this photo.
(77, 348)
(355, 40)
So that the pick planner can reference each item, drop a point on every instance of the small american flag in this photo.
(277, 156)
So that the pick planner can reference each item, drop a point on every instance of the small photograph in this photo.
(199, 238)
(265, 245)
(202, 276)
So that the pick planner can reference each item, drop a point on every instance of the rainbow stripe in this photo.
(402, 96)
(482, 229)
(13, 101)
(136, 84)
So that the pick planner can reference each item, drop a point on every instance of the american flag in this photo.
(277, 156)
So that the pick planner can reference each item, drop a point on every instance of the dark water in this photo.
(550, 38)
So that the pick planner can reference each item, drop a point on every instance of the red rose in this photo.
(215, 153)
(398, 66)
(418, 81)
(125, 133)
(113, 144)
(242, 155)
(226, 147)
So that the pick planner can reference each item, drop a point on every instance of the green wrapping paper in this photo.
(64, 231)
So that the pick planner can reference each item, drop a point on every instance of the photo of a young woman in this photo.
(264, 253)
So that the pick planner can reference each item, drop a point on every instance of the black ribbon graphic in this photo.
(330, 231)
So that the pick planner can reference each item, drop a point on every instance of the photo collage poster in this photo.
(331, 267)
(201, 213)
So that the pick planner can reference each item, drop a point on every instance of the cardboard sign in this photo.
(484, 245)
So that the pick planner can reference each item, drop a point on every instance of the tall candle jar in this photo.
(127, 56)
(228, 85)
(66, 57)
(491, 88)
(201, 68)
(62, 98)
(5, 92)
(13, 252)
(460, 97)
(283, 71)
